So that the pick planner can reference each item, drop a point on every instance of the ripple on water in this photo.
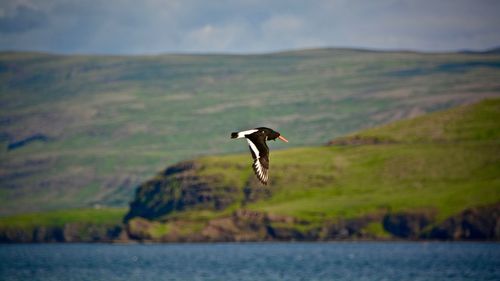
(252, 261)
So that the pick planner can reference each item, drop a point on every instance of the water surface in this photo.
(252, 261)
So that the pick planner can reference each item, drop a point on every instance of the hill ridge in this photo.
(114, 121)
(377, 188)
(366, 189)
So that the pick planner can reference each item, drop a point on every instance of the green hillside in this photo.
(435, 166)
(75, 225)
(112, 216)
(79, 131)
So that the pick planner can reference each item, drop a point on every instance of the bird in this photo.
(256, 139)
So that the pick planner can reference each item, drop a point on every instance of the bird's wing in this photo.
(260, 154)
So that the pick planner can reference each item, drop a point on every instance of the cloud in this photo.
(156, 26)
(209, 37)
(21, 19)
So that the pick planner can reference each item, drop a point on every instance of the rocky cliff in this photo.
(154, 216)
(432, 177)
(70, 232)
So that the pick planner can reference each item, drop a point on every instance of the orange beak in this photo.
(282, 138)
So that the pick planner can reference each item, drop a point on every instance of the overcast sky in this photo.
(246, 26)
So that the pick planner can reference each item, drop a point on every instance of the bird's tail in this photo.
(234, 135)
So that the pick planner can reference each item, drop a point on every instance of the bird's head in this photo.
(272, 134)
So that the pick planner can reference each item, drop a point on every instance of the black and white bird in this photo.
(256, 139)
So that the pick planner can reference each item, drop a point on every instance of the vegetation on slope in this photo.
(60, 218)
(77, 131)
(433, 167)
(76, 225)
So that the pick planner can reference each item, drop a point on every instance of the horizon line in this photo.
(271, 52)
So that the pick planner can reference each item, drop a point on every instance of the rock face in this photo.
(243, 225)
(407, 225)
(182, 188)
(481, 223)
(77, 232)
(246, 225)
(179, 188)
(70, 232)
(350, 229)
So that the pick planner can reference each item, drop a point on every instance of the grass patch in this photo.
(377, 230)
(446, 175)
(104, 216)
(121, 119)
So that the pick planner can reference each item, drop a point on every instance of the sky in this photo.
(246, 26)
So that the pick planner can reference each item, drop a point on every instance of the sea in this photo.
(338, 261)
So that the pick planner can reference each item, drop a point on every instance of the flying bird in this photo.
(256, 139)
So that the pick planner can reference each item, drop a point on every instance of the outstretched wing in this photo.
(260, 155)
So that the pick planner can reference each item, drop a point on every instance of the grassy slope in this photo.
(445, 162)
(106, 216)
(114, 121)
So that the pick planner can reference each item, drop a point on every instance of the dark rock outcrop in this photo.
(85, 232)
(243, 225)
(343, 229)
(138, 229)
(48, 234)
(69, 232)
(480, 223)
(179, 188)
(247, 225)
(407, 224)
